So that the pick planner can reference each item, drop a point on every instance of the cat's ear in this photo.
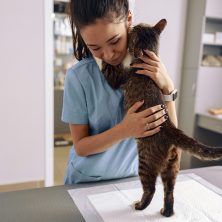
(159, 27)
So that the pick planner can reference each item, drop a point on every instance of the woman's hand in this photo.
(144, 123)
(155, 69)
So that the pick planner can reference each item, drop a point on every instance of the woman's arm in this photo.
(134, 124)
(155, 69)
(87, 145)
(171, 109)
(170, 106)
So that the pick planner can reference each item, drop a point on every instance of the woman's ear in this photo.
(129, 19)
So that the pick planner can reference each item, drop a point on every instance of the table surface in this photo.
(54, 203)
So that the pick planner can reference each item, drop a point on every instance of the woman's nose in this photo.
(108, 54)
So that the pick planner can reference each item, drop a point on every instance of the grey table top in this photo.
(54, 203)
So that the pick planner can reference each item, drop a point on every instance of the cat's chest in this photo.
(127, 60)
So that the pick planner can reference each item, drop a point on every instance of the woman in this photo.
(103, 137)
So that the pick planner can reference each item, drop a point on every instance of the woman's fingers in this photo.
(151, 110)
(151, 132)
(145, 66)
(135, 107)
(147, 60)
(156, 122)
(156, 116)
(154, 127)
(154, 69)
(152, 55)
(150, 66)
(148, 73)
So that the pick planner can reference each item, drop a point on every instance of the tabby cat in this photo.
(160, 153)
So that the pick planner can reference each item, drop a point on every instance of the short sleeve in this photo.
(74, 100)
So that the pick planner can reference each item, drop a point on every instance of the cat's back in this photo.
(141, 87)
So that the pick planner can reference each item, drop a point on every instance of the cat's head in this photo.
(143, 37)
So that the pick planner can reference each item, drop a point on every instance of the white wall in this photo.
(172, 38)
(23, 108)
(22, 96)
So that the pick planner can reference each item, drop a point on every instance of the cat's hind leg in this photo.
(148, 180)
(168, 176)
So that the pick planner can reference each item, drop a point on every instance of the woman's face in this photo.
(107, 41)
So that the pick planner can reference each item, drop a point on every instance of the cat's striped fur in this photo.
(160, 153)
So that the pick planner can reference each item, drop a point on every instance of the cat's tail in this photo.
(199, 150)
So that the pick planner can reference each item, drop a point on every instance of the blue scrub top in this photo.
(88, 99)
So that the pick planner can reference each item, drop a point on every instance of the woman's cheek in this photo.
(96, 54)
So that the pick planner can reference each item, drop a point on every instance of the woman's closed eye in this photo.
(111, 43)
(97, 49)
(114, 42)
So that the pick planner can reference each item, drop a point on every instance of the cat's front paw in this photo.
(167, 212)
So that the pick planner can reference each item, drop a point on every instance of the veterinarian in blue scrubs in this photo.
(103, 136)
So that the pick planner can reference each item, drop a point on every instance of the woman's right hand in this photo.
(144, 123)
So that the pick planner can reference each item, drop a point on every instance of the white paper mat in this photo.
(194, 200)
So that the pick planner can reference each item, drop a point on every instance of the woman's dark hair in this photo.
(86, 12)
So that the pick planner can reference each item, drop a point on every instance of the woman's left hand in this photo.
(155, 69)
